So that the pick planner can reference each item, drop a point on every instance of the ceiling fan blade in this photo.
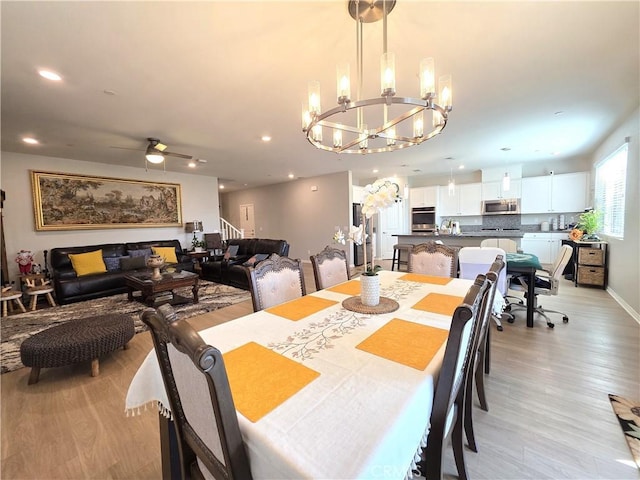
(179, 155)
(128, 148)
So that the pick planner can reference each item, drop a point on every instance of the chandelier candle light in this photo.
(384, 123)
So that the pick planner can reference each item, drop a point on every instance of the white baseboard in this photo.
(635, 315)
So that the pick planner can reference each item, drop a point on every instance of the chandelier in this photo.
(381, 124)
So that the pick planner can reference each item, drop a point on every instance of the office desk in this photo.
(525, 264)
(363, 416)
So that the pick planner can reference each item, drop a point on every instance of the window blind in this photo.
(611, 176)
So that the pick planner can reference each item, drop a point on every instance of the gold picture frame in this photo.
(63, 201)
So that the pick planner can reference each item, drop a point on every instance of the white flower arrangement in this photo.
(355, 235)
(379, 195)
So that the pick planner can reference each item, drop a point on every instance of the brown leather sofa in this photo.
(71, 288)
(233, 271)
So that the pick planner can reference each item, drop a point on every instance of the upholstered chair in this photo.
(209, 439)
(447, 414)
(330, 267)
(275, 280)
(434, 259)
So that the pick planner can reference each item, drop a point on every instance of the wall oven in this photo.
(423, 219)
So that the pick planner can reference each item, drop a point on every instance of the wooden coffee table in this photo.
(156, 292)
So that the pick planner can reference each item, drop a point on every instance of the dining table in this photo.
(525, 264)
(336, 389)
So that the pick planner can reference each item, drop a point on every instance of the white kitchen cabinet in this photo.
(570, 192)
(466, 200)
(423, 197)
(494, 191)
(555, 193)
(544, 245)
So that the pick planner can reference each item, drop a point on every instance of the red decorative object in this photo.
(24, 260)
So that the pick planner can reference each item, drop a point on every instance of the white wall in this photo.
(199, 201)
(624, 261)
(293, 211)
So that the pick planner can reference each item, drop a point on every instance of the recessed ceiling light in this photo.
(49, 75)
(291, 175)
(30, 141)
(558, 113)
(221, 187)
(556, 153)
(106, 91)
(461, 167)
(266, 138)
(375, 170)
(192, 164)
(506, 149)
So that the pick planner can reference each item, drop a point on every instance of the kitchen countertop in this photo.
(481, 234)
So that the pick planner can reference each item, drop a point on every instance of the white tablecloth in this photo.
(363, 417)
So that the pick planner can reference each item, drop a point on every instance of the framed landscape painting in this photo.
(64, 201)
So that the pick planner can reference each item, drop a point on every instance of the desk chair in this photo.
(330, 267)
(447, 414)
(208, 436)
(275, 280)
(434, 259)
(547, 283)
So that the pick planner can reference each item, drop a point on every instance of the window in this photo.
(611, 175)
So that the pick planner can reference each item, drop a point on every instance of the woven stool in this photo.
(398, 248)
(7, 297)
(75, 342)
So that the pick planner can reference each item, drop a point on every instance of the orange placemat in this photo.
(418, 277)
(301, 307)
(352, 287)
(439, 303)
(404, 342)
(262, 379)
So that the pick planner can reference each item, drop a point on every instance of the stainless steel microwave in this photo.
(506, 206)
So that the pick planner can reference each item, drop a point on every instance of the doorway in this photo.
(247, 220)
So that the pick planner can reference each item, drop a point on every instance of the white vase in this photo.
(370, 290)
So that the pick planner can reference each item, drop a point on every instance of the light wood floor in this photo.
(549, 414)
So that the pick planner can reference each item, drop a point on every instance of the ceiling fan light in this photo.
(155, 157)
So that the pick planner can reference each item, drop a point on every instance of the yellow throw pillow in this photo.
(88, 263)
(168, 253)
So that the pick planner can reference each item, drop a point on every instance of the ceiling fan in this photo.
(156, 152)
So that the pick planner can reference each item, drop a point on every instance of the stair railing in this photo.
(229, 231)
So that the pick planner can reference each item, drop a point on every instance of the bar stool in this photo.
(7, 296)
(398, 248)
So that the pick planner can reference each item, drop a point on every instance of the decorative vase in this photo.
(370, 290)
(156, 262)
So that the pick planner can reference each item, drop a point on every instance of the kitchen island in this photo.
(464, 239)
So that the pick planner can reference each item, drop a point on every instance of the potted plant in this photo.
(378, 196)
(590, 223)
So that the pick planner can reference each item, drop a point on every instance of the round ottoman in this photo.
(76, 341)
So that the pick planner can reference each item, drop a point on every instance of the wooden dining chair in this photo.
(481, 352)
(434, 259)
(330, 267)
(209, 439)
(275, 280)
(447, 414)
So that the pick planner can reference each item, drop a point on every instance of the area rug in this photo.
(628, 413)
(17, 328)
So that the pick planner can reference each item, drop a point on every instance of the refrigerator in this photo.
(358, 250)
